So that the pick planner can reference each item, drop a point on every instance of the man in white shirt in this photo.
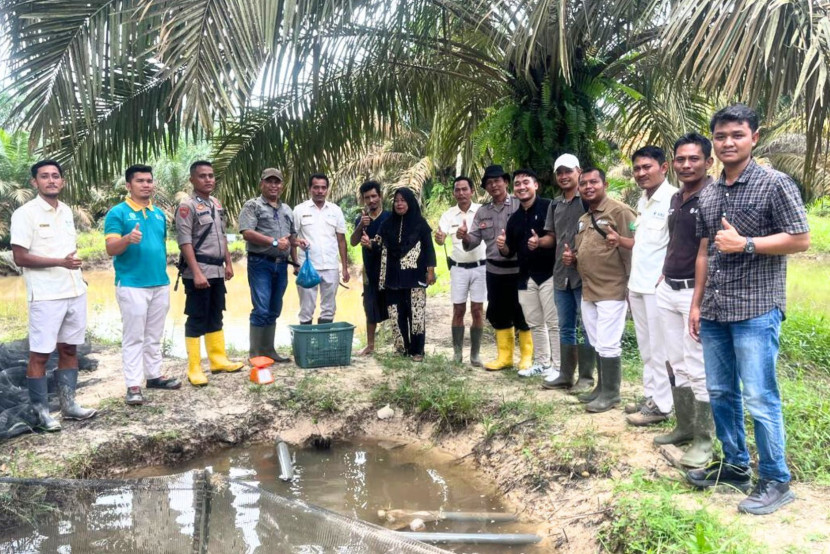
(43, 244)
(321, 234)
(651, 238)
(468, 278)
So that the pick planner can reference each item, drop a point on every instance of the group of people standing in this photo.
(701, 268)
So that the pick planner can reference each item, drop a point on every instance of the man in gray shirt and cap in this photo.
(267, 225)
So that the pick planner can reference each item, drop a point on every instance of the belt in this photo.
(278, 259)
(466, 265)
(680, 284)
(209, 260)
(506, 264)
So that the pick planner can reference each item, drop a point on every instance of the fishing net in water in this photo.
(198, 512)
(16, 413)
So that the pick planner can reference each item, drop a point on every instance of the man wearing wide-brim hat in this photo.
(503, 309)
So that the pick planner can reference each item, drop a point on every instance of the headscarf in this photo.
(400, 233)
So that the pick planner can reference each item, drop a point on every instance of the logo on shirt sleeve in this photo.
(184, 212)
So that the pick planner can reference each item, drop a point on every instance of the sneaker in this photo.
(134, 397)
(766, 497)
(649, 414)
(551, 373)
(168, 383)
(721, 473)
(534, 370)
(634, 407)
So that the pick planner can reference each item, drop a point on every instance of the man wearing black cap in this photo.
(267, 225)
(503, 309)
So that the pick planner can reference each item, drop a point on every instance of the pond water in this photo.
(105, 318)
(357, 479)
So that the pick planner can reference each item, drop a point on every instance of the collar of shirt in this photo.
(663, 192)
(695, 194)
(138, 207)
(265, 202)
(601, 207)
(46, 206)
(503, 205)
(745, 176)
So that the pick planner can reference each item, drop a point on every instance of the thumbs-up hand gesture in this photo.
(365, 241)
(533, 241)
(612, 239)
(727, 240)
(440, 236)
(501, 239)
(135, 235)
(71, 261)
(568, 257)
(462, 230)
(365, 220)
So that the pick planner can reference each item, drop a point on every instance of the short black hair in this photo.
(739, 113)
(529, 172)
(695, 138)
(44, 163)
(654, 152)
(133, 169)
(369, 185)
(463, 178)
(199, 163)
(318, 176)
(590, 169)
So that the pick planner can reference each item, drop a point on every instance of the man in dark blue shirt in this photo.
(521, 237)
(368, 223)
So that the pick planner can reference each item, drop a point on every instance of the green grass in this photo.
(645, 518)
(806, 406)
(805, 340)
(819, 233)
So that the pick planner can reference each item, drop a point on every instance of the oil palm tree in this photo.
(306, 85)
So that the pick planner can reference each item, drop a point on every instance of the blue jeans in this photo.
(567, 309)
(745, 353)
(268, 281)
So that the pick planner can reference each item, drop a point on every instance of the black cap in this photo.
(494, 171)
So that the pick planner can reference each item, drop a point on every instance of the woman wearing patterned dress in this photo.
(407, 268)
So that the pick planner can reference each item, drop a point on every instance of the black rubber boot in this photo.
(610, 371)
(567, 367)
(475, 345)
(700, 453)
(591, 395)
(457, 344)
(321, 321)
(67, 383)
(684, 411)
(267, 345)
(255, 340)
(586, 359)
(39, 396)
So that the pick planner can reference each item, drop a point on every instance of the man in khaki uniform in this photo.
(200, 227)
(604, 268)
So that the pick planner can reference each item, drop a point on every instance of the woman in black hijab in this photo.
(407, 267)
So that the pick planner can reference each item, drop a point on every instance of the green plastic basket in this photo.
(327, 344)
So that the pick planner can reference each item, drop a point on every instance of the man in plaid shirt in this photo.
(749, 220)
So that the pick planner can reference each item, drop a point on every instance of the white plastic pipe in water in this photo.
(474, 538)
(286, 465)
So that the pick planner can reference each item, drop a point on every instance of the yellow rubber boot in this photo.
(525, 349)
(194, 361)
(504, 342)
(215, 344)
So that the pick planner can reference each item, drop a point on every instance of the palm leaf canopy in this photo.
(310, 85)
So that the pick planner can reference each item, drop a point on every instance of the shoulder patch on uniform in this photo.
(184, 212)
(216, 202)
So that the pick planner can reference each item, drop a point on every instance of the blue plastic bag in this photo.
(308, 276)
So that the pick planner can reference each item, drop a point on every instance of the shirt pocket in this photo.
(204, 218)
(657, 223)
(46, 232)
(748, 221)
(488, 231)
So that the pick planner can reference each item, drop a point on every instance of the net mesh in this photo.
(197, 511)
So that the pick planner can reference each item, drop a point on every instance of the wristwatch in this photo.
(749, 247)
(274, 243)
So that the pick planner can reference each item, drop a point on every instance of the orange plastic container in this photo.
(260, 374)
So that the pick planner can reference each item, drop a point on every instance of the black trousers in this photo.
(503, 308)
(203, 307)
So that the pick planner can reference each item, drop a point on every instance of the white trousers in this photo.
(604, 322)
(684, 353)
(142, 318)
(540, 314)
(647, 324)
(329, 280)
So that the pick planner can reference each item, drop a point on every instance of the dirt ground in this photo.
(568, 508)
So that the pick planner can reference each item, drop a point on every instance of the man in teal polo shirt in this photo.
(136, 232)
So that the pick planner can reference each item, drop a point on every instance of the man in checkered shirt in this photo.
(749, 220)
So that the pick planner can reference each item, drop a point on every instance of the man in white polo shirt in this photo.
(43, 244)
(468, 276)
(651, 238)
(321, 234)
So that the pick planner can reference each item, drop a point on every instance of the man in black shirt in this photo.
(524, 228)
(692, 159)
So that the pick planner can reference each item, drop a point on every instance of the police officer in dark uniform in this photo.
(200, 226)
